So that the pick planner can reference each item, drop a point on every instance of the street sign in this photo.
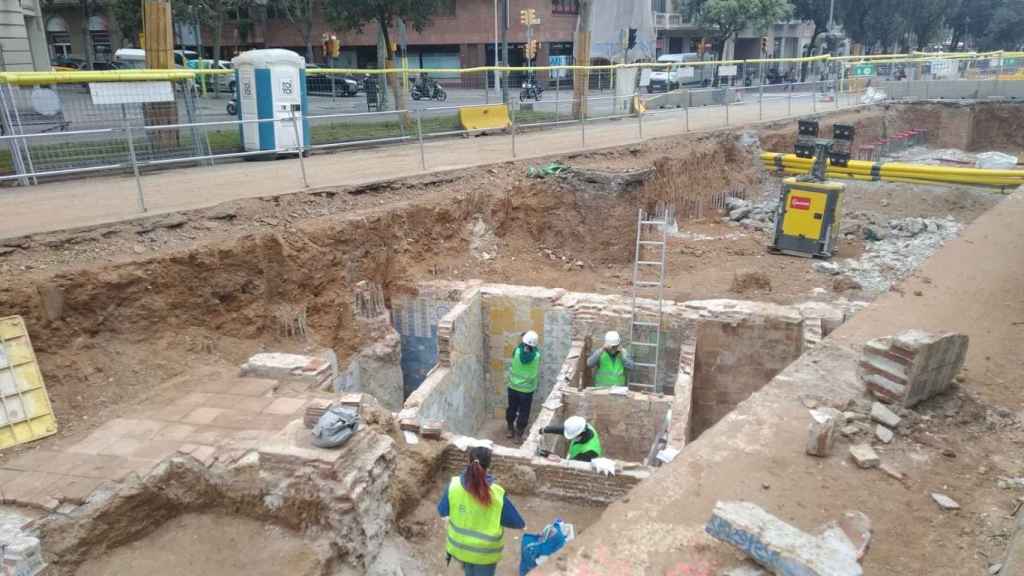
(864, 70)
(727, 70)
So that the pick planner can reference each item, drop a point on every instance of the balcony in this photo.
(672, 21)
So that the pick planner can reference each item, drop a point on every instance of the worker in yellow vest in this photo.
(478, 512)
(523, 375)
(584, 444)
(611, 362)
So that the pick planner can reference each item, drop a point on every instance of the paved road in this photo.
(90, 201)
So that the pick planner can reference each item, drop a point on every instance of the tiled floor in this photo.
(218, 415)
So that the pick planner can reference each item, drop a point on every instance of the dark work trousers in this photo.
(518, 411)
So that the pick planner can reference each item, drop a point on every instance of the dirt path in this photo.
(209, 544)
(90, 201)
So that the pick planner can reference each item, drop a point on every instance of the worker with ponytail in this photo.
(478, 512)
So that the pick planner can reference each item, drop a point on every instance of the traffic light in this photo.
(335, 46)
(528, 17)
(764, 45)
(700, 48)
(532, 47)
(631, 42)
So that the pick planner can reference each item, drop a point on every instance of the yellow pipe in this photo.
(902, 166)
(883, 175)
(923, 175)
(849, 176)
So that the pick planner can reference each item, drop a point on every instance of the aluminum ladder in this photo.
(648, 283)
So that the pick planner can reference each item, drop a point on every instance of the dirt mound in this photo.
(746, 282)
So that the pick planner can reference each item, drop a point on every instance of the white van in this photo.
(136, 57)
(671, 78)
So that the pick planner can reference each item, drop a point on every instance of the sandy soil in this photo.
(426, 531)
(210, 544)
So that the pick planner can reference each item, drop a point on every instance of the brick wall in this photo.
(567, 481)
(737, 357)
(416, 320)
(627, 424)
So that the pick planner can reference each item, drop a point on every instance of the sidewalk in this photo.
(90, 201)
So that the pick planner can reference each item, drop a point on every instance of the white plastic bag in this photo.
(996, 161)
(872, 96)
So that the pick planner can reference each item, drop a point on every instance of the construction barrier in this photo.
(492, 117)
(25, 411)
(898, 171)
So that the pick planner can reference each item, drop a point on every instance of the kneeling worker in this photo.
(478, 513)
(611, 362)
(584, 445)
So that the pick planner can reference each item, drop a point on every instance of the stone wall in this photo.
(627, 423)
(455, 391)
(376, 370)
(740, 347)
(522, 473)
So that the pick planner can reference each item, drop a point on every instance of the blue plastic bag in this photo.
(534, 546)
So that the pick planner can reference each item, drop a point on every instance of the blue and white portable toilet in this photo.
(271, 84)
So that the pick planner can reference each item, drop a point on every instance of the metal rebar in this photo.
(135, 165)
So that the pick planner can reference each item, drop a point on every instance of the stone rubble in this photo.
(864, 455)
(883, 434)
(820, 432)
(883, 415)
(945, 502)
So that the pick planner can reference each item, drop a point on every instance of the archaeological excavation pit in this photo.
(389, 305)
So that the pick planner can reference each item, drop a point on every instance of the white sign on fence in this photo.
(645, 77)
(131, 92)
(727, 70)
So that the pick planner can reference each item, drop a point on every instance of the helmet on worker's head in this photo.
(574, 426)
(530, 338)
(611, 338)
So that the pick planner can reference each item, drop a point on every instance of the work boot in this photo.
(519, 435)
(509, 432)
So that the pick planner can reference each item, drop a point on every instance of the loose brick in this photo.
(864, 455)
(820, 435)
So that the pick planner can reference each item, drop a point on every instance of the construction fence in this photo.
(59, 125)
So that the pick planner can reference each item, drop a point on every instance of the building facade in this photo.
(22, 41)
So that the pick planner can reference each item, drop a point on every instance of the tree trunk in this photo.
(307, 31)
(581, 56)
(86, 35)
(810, 49)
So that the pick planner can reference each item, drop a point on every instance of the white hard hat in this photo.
(530, 338)
(574, 426)
(611, 338)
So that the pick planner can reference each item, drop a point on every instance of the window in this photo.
(565, 6)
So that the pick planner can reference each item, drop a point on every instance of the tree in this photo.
(128, 18)
(725, 18)
(301, 14)
(355, 14)
(926, 19)
(1005, 30)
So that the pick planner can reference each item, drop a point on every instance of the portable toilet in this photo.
(271, 84)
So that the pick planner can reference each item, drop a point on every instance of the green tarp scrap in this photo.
(551, 169)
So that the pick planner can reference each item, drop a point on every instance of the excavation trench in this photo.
(418, 304)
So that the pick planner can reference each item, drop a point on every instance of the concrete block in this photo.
(280, 366)
(776, 545)
(864, 456)
(853, 528)
(820, 434)
(912, 366)
(883, 415)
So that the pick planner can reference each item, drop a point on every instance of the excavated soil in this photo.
(210, 544)
(115, 310)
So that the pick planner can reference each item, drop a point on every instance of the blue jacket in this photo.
(510, 517)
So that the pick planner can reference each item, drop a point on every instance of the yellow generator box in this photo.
(807, 221)
(25, 411)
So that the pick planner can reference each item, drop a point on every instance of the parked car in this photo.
(671, 78)
(321, 84)
(136, 57)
